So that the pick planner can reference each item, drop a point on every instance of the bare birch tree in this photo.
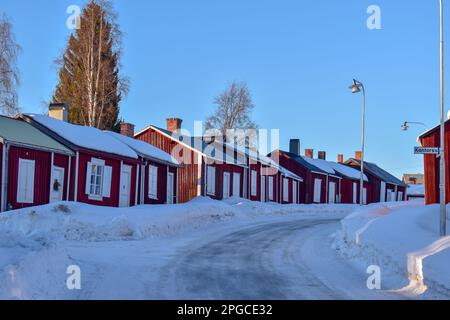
(9, 73)
(232, 115)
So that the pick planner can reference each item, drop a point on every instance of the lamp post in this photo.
(406, 125)
(357, 87)
(443, 224)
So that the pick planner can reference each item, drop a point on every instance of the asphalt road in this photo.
(279, 260)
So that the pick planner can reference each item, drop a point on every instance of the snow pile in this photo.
(402, 238)
(44, 225)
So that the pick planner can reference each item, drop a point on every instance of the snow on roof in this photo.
(416, 190)
(347, 171)
(144, 149)
(290, 174)
(85, 137)
(321, 164)
(21, 132)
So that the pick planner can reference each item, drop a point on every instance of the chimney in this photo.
(174, 124)
(322, 155)
(294, 146)
(309, 153)
(340, 158)
(127, 129)
(358, 155)
(59, 111)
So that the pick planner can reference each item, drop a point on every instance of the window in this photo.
(98, 180)
(355, 193)
(285, 190)
(317, 190)
(254, 182)
(271, 189)
(294, 192)
(25, 187)
(153, 182)
(211, 180)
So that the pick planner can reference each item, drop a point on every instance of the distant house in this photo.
(384, 187)
(34, 168)
(413, 178)
(415, 191)
(104, 171)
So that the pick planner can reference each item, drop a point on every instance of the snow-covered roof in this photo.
(22, 133)
(321, 164)
(144, 149)
(84, 137)
(347, 171)
(290, 174)
(416, 190)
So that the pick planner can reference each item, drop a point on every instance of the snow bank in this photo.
(402, 238)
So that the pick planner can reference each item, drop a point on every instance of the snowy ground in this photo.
(201, 250)
(403, 240)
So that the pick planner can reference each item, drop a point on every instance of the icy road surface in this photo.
(280, 258)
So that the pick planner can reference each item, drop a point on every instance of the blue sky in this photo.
(297, 57)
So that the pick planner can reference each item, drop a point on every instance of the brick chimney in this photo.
(358, 155)
(294, 146)
(174, 124)
(322, 155)
(127, 129)
(340, 158)
(309, 153)
(59, 111)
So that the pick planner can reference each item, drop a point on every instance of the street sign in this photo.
(426, 150)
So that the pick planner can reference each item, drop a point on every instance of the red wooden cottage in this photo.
(351, 182)
(432, 139)
(384, 187)
(104, 171)
(34, 168)
(319, 186)
(268, 181)
(219, 170)
(208, 168)
(157, 173)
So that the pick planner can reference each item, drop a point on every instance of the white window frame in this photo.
(254, 183)
(285, 189)
(22, 195)
(153, 182)
(211, 181)
(100, 164)
(317, 190)
(271, 195)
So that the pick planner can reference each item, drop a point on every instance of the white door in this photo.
(383, 192)
(263, 188)
(226, 185)
(57, 184)
(332, 193)
(236, 185)
(125, 186)
(170, 187)
(355, 193)
(317, 190)
(294, 192)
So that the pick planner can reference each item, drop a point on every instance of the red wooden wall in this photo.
(188, 174)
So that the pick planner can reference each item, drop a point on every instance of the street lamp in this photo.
(443, 224)
(357, 87)
(406, 125)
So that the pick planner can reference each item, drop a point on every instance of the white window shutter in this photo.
(317, 190)
(285, 190)
(106, 187)
(25, 187)
(30, 184)
(88, 178)
(153, 182)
